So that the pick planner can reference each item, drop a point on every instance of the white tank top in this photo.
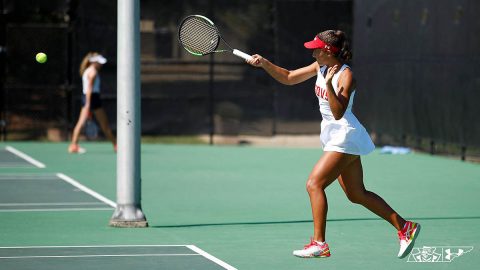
(96, 83)
(346, 135)
(321, 92)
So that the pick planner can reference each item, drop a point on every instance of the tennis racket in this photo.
(199, 36)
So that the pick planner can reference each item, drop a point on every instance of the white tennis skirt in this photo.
(346, 135)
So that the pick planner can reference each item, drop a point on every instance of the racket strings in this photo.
(198, 36)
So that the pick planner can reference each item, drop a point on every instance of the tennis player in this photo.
(89, 71)
(343, 138)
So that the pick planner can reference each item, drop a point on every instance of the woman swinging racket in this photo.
(343, 139)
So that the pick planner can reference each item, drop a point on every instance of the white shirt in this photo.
(346, 135)
(96, 83)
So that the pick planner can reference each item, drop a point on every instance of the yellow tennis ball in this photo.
(41, 57)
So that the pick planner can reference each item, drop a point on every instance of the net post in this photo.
(128, 212)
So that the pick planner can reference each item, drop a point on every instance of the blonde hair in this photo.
(85, 62)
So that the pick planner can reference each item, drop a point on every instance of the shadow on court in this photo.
(301, 221)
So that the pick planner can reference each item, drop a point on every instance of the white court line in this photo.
(98, 256)
(55, 209)
(211, 257)
(49, 204)
(101, 246)
(13, 164)
(86, 189)
(52, 178)
(25, 156)
(24, 175)
(28, 176)
(191, 247)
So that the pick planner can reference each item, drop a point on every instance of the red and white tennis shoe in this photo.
(76, 149)
(407, 238)
(313, 250)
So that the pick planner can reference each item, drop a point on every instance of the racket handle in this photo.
(242, 54)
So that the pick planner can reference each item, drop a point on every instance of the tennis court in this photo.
(225, 207)
(109, 257)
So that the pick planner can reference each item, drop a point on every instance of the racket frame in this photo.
(219, 37)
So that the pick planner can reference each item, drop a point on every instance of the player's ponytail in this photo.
(345, 53)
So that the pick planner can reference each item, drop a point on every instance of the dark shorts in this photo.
(95, 101)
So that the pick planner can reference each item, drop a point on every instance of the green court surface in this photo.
(227, 207)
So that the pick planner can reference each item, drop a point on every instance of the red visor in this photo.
(317, 43)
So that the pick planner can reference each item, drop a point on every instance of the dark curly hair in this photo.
(338, 39)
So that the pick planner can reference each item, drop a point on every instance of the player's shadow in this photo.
(303, 221)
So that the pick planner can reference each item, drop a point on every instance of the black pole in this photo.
(211, 92)
(276, 59)
(464, 152)
(3, 59)
(72, 12)
(211, 100)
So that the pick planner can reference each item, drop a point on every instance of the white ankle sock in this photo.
(320, 243)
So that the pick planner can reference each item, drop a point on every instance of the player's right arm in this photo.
(284, 76)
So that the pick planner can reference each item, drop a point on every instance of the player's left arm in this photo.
(338, 101)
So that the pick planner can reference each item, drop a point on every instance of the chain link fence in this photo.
(414, 63)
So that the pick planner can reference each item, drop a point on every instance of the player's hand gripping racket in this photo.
(199, 36)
